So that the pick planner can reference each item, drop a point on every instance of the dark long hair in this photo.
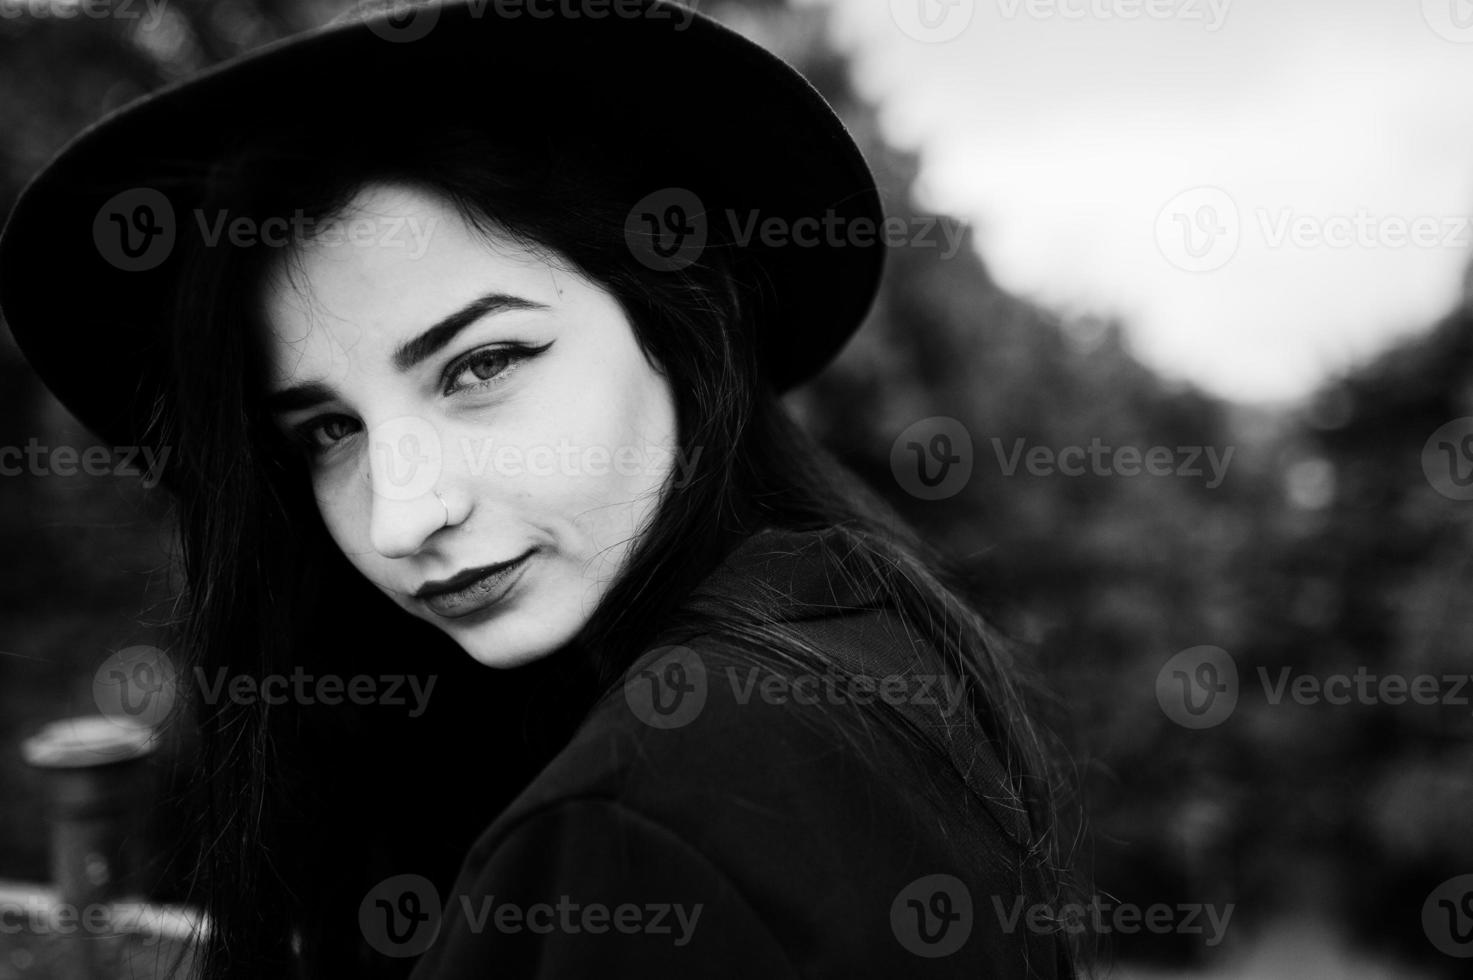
(299, 809)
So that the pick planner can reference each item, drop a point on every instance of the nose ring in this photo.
(446, 506)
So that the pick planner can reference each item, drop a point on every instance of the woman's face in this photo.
(418, 362)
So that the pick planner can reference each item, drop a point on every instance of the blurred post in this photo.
(95, 776)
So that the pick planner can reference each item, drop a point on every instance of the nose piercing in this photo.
(446, 506)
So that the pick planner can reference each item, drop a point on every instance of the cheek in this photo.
(345, 524)
(585, 461)
(638, 431)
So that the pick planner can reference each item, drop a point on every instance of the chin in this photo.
(500, 643)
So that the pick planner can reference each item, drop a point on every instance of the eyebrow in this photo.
(412, 352)
(408, 354)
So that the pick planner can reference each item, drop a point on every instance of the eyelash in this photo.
(515, 355)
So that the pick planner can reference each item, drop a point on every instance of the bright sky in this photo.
(1265, 191)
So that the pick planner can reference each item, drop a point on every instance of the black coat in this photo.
(742, 833)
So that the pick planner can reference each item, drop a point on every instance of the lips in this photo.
(474, 589)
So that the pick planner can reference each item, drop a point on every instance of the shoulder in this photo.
(775, 836)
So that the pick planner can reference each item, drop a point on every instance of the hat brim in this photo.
(692, 103)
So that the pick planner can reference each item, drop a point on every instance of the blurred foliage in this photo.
(1325, 549)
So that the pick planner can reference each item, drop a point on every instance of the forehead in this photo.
(389, 264)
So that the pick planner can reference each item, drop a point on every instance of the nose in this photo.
(403, 467)
(399, 528)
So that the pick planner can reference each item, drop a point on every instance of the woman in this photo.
(463, 345)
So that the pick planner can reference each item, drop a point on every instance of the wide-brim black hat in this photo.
(87, 265)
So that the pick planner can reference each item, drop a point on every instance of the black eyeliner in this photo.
(516, 352)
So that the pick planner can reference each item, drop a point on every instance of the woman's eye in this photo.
(487, 366)
(484, 365)
(323, 433)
